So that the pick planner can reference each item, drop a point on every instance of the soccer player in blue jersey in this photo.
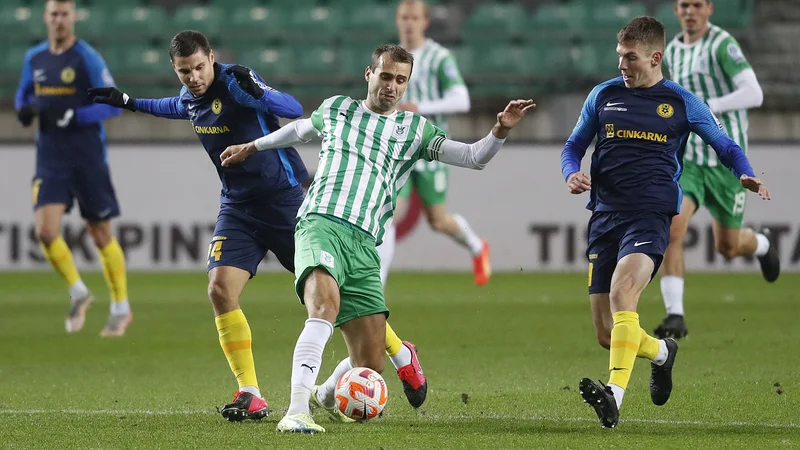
(228, 104)
(641, 122)
(71, 160)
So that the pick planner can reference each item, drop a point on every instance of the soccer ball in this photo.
(361, 394)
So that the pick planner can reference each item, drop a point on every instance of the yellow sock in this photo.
(236, 342)
(60, 257)
(625, 337)
(113, 260)
(393, 343)
(648, 346)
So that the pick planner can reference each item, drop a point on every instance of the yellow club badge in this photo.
(665, 110)
(216, 106)
(68, 75)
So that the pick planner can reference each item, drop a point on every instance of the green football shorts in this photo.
(430, 179)
(348, 254)
(718, 190)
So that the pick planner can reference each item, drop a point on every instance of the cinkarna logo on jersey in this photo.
(643, 135)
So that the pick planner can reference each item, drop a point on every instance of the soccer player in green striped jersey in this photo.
(435, 90)
(707, 60)
(368, 149)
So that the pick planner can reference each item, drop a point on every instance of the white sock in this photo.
(78, 290)
(763, 245)
(672, 291)
(306, 362)
(618, 394)
(663, 353)
(251, 389)
(466, 236)
(326, 389)
(386, 253)
(120, 308)
(402, 358)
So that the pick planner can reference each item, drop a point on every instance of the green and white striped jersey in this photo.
(364, 157)
(435, 71)
(707, 68)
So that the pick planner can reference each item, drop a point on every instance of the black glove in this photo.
(26, 114)
(112, 96)
(246, 81)
(57, 118)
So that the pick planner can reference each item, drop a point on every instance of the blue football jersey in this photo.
(641, 134)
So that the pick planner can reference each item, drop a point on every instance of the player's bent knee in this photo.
(46, 236)
(221, 296)
(101, 233)
(726, 249)
(604, 339)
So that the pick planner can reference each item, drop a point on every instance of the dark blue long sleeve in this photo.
(99, 76)
(582, 135)
(169, 107)
(24, 95)
(273, 101)
(703, 122)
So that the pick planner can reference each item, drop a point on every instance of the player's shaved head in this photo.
(393, 52)
(187, 43)
(644, 31)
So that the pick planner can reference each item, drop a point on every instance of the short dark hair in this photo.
(644, 30)
(187, 43)
(395, 52)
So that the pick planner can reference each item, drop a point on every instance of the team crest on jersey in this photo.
(401, 130)
(216, 106)
(68, 75)
(665, 110)
(609, 130)
(735, 53)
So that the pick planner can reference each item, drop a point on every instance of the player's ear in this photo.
(211, 56)
(367, 73)
(656, 59)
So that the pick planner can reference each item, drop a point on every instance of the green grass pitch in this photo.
(513, 350)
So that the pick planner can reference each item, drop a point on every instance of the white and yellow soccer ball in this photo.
(361, 394)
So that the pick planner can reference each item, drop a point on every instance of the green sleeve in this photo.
(448, 74)
(730, 57)
(316, 117)
(432, 138)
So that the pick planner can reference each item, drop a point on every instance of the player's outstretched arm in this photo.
(478, 154)
(297, 132)
(703, 122)
(585, 130)
(169, 107)
(249, 89)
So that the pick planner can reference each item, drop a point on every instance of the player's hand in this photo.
(410, 107)
(514, 112)
(578, 183)
(112, 96)
(235, 154)
(753, 184)
(246, 80)
(26, 114)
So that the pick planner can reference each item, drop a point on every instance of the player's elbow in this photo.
(293, 108)
(758, 96)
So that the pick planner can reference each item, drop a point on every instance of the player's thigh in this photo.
(365, 339)
(278, 221)
(233, 244)
(431, 183)
(318, 248)
(693, 183)
(680, 222)
(641, 252)
(225, 286)
(95, 193)
(602, 318)
(601, 251)
(52, 198)
(725, 197)
(362, 291)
